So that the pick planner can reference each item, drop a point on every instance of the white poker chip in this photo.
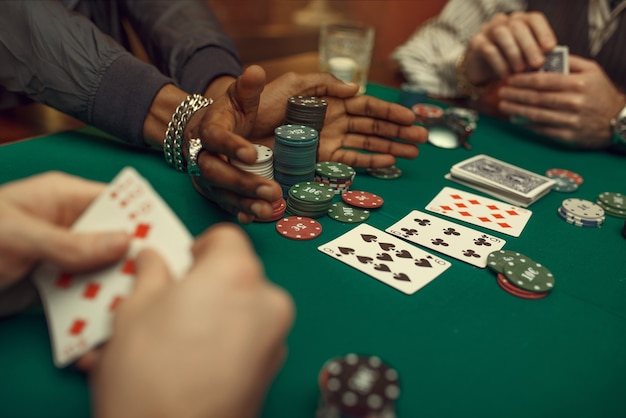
(583, 209)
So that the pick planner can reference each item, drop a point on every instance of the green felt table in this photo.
(462, 346)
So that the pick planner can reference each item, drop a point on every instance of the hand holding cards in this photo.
(80, 308)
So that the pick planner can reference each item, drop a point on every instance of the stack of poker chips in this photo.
(427, 114)
(306, 110)
(614, 204)
(339, 176)
(357, 387)
(295, 155)
(309, 199)
(582, 213)
(518, 275)
(264, 167)
(565, 180)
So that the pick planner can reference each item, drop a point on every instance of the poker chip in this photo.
(427, 114)
(306, 110)
(337, 175)
(298, 228)
(362, 199)
(386, 173)
(563, 183)
(614, 204)
(309, 199)
(295, 155)
(574, 220)
(279, 208)
(583, 209)
(497, 260)
(566, 173)
(357, 386)
(527, 274)
(342, 212)
(263, 166)
(515, 291)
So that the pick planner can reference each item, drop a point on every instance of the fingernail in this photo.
(112, 241)
(256, 208)
(245, 154)
(265, 192)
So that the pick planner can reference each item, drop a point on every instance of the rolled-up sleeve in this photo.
(60, 58)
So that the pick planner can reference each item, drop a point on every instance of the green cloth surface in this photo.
(462, 346)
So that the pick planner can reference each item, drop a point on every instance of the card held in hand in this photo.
(80, 307)
(386, 258)
(502, 180)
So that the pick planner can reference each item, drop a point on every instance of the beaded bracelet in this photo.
(173, 142)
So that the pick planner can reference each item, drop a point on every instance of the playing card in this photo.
(458, 241)
(557, 60)
(495, 177)
(386, 258)
(482, 211)
(80, 307)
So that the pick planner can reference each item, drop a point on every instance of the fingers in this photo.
(245, 94)
(152, 275)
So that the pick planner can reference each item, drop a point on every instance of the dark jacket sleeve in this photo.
(60, 58)
(184, 39)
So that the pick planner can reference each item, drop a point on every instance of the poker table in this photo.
(461, 345)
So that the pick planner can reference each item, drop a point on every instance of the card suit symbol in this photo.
(439, 241)
(512, 212)
(381, 267)
(492, 207)
(128, 267)
(451, 231)
(346, 250)
(369, 238)
(482, 241)
(115, 303)
(484, 219)
(409, 231)
(91, 290)
(422, 222)
(422, 262)
(364, 259)
(113, 195)
(386, 246)
(504, 225)
(64, 280)
(384, 257)
(474, 202)
(77, 326)
(403, 254)
(402, 277)
(471, 253)
(142, 230)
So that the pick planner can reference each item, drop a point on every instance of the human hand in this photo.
(352, 123)
(508, 44)
(35, 214)
(223, 128)
(576, 108)
(205, 346)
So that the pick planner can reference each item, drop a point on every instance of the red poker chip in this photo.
(578, 179)
(425, 113)
(299, 228)
(362, 199)
(516, 291)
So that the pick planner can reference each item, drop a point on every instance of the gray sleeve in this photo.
(61, 59)
(184, 39)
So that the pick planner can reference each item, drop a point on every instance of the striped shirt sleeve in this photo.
(429, 57)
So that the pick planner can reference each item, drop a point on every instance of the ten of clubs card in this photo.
(80, 307)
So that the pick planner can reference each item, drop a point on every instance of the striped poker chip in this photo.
(583, 209)
(334, 170)
(563, 183)
(386, 173)
(427, 114)
(567, 173)
(358, 386)
(516, 291)
(575, 220)
(298, 228)
(362, 199)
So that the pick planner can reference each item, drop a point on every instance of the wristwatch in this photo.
(618, 126)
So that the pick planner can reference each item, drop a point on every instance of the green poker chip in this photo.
(343, 212)
(529, 275)
(334, 170)
(311, 192)
(616, 201)
(498, 260)
(386, 173)
(611, 211)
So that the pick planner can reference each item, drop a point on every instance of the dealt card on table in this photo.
(80, 307)
(458, 241)
(505, 181)
(479, 210)
(386, 258)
